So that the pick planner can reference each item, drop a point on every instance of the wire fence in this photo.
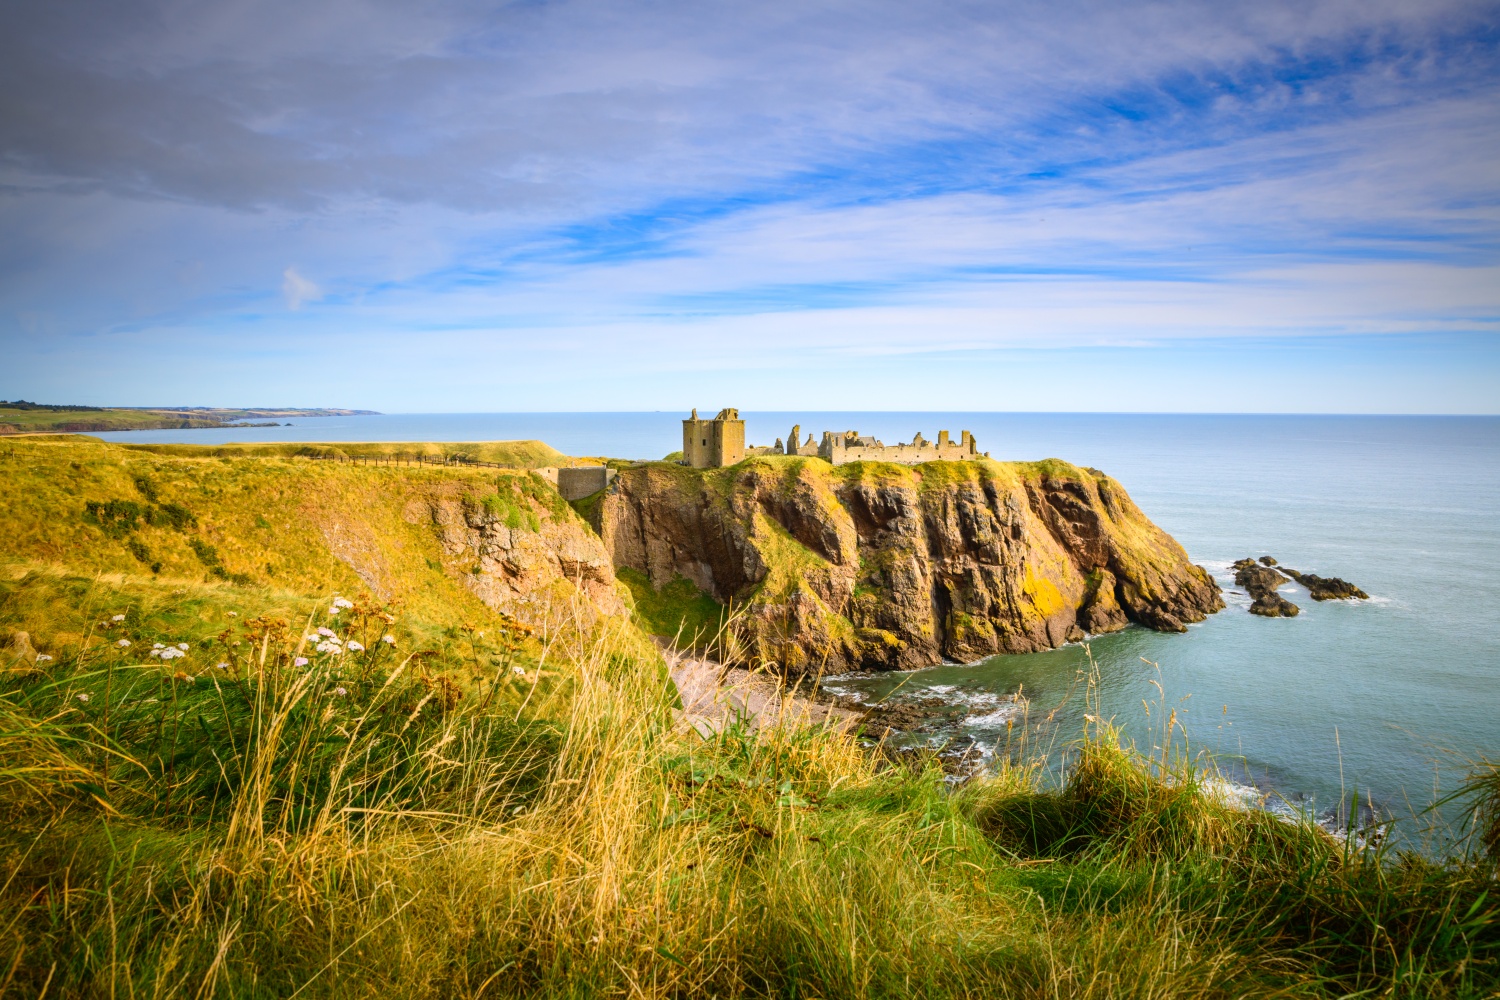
(406, 458)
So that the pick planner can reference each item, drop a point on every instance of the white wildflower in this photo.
(300, 661)
(154, 652)
(123, 643)
(389, 640)
(118, 618)
(327, 631)
(342, 602)
(358, 647)
(333, 611)
(233, 614)
(42, 657)
(83, 697)
(518, 671)
(221, 666)
(157, 645)
(182, 646)
(329, 647)
(340, 692)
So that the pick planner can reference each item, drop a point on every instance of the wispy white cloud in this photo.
(297, 289)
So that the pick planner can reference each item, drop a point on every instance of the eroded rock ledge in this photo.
(877, 566)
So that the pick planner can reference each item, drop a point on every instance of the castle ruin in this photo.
(851, 446)
(713, 444)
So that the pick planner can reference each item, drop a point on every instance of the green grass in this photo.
(679, 610)
(479, 809)
(516, 454)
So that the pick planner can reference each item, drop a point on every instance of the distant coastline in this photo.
(22, 417)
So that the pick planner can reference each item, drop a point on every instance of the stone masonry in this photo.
(581, 481)
(851, 446)
(713, 444)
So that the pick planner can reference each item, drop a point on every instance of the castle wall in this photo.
(695, 442)
(840, 449)
(577, 483)
(730, 441)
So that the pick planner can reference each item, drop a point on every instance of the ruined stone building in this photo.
(809, 448)
(851, 446)
(713, 444)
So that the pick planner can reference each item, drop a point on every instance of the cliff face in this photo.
(517, 550)
(881, 566)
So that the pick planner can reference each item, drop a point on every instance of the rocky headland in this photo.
(878, 566)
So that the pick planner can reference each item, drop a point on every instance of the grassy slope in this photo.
(370, 824)
(518, 454)
(284, 525)
(678, 611)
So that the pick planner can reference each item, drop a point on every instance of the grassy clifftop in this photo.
(176, 515)
(219, 780)
(516, 454)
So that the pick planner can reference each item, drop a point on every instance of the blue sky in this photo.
(617, 205)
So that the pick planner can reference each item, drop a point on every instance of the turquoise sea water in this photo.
(1387, 697)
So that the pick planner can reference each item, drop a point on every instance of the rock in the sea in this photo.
(1260, 582)
(1267, 561)
(1274, 606)
(1327, 588)
(878, 566)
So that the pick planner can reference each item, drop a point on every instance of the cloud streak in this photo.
(298, 289)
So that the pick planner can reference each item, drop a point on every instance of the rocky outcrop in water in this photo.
(876, 566)
(1260, 582)
(1327, 588)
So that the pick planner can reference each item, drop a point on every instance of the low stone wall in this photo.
(577, 483)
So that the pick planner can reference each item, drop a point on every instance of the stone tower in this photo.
(713, 444)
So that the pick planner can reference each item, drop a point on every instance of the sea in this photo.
(1351, 709)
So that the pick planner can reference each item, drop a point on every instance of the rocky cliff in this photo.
(517, 543)
(881, 566)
